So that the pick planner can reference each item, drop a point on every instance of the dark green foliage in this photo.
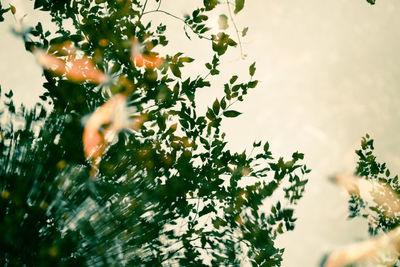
(370, 169)
(30, 225)
(2, 12)
(171, 193)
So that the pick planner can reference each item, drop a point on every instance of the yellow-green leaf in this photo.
(239, 4)
(223, 22)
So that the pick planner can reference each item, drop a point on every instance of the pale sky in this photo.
(329, 73)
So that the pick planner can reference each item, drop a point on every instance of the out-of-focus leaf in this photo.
(244, 32)
(223, 22)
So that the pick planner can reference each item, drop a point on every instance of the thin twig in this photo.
(143, 9)
(159, 4)
(165, 12)
(178, 18)
(236, 29)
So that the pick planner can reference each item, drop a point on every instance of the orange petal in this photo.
(150, 62)
(50, 62)
(77, 70)
(93, 140)
(349, 182)
(367, 251)
(137, 60)
(83, 69)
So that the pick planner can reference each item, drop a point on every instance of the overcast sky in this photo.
(329, 73)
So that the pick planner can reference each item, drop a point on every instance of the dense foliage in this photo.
(171, 192)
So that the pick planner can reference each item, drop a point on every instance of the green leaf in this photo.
(184, 123)
(216, 106)
(214, 72)
(372, 2)
(231, 42)
(252, 69)
(244, 32)
(252, 84)
(288, 164)
(266, 147)
(10, 94)
(218, 223)
(13, 9)
(176, 57)
(236, 88)
(233, 79)
(257, 144)
(297, 155)
(215, 60)
(223, 103)
(210, 114)
(227, 90)
(39, 4)
(203, 241)
(186, 59)
(2, 11)
(175, 70)
(231, 113)
(210, 4)
(39, 27)
(207, 209)
(239, 4)
(219, 47)
(202, 17)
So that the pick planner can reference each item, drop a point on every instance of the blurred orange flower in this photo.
(108, 115)
(74, 68)
(368, 251)
(104, 124)
(149, 60)
(378, 192)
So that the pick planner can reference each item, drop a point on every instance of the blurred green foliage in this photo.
(171, 193)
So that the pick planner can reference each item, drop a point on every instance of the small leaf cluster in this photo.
(197, 21)
(221, 42)
(369, 168)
